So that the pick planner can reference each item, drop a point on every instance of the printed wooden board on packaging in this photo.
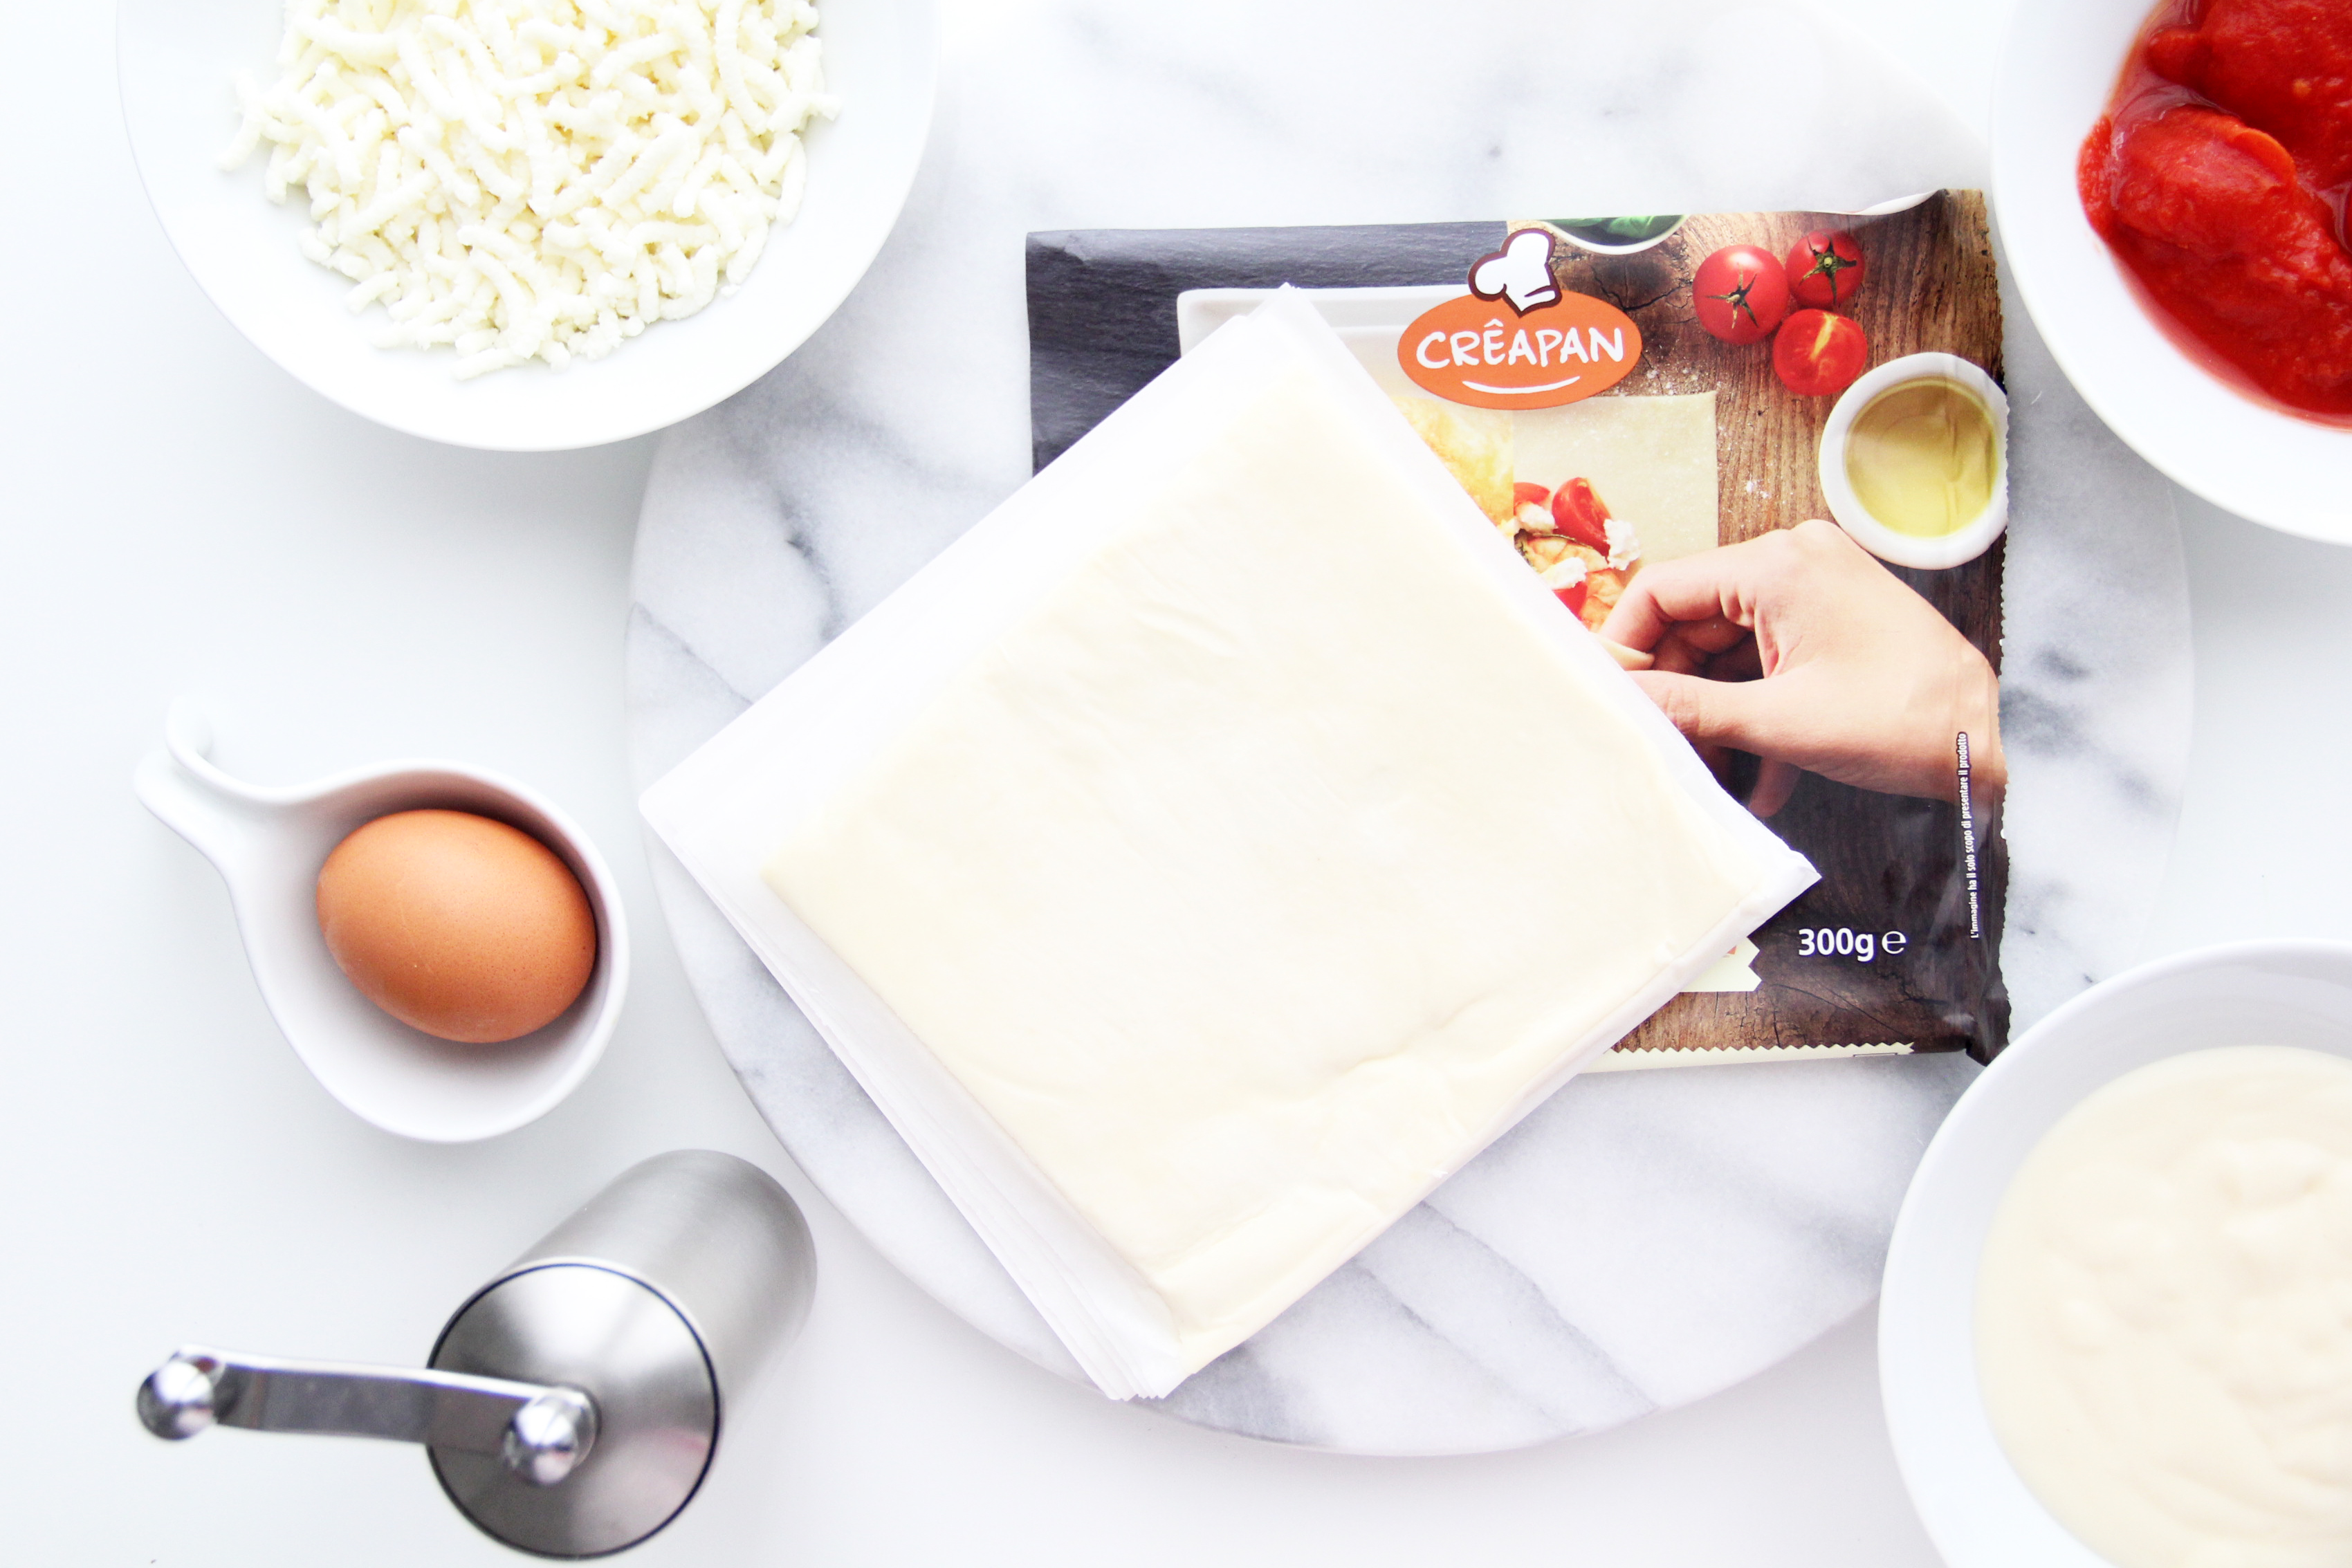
(1561, 370)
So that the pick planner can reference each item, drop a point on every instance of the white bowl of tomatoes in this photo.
(2139, 365)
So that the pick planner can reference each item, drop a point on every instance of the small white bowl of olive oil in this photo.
(1915, 461)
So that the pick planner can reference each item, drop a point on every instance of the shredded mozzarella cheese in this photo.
(538, 179)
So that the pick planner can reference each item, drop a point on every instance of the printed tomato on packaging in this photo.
(1825, 268)
(1741, 293)
(1817, 354)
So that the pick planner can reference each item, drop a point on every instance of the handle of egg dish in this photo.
(213, 811)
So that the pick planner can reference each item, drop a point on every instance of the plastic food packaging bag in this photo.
(1568, 366)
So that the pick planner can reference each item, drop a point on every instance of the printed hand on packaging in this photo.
(1802, 650)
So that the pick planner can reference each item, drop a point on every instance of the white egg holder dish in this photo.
(268, 843)
(1963, 544)
(1977, 1509)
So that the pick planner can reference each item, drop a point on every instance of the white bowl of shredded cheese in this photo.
(527, 224)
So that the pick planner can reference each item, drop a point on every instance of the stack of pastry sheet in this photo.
(1215, 849)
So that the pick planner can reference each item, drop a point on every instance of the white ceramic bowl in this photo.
(2059, 63)
(1963, 544)
(1977, 1509)
(176, 59)
(268, 844)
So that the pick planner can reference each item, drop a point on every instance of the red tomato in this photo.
(1525, 494)
(1817, 354)
(1825, 267)
(1582, 515)
(1574, 597)
(1741, 293)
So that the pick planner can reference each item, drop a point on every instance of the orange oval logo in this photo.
(1486, 353)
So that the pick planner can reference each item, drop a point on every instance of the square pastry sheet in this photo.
(1216, 848)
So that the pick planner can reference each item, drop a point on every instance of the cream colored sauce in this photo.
(2164, 1313)
(1922, 457)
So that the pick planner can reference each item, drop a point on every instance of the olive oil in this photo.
(1922, 457)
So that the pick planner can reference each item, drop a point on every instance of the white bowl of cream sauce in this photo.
(2118, 1319)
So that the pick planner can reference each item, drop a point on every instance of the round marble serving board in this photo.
(1643, 1239)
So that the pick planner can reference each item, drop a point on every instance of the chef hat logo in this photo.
(1520, 272)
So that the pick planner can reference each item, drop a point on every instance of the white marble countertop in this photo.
(182, 517)
(1641, 1241)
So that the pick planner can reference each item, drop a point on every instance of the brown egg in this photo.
(457, 924)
